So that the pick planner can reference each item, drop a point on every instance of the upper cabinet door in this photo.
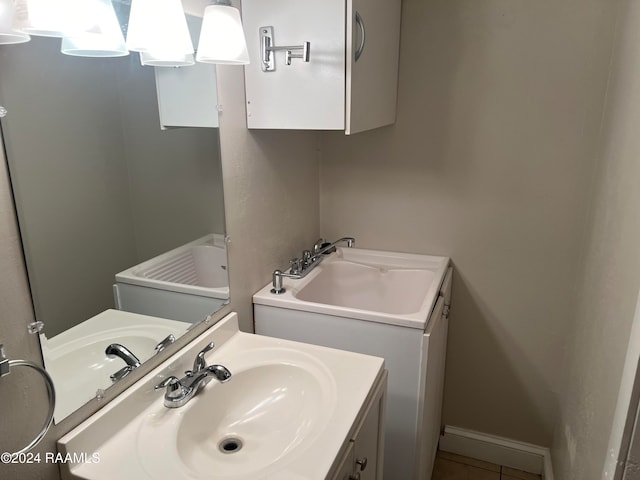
(373, 33)
(350, 80)
(302, 95)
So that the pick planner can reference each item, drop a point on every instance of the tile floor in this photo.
(450, 466)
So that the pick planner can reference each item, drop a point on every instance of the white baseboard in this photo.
(503, 451)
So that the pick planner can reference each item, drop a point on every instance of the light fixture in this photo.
(100, 34)
(159, 28)
(8, 34)
(222, 37)
(47, 18)
(184, 60)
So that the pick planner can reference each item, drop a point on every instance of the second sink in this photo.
(386, 287)
(366, 287)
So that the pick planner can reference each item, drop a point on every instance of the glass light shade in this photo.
(50, 18)
(222, 37)
(148, 59)
(102, 36)
(159, 27)
(8, 34)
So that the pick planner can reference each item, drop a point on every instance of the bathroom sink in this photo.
(374, 285)
(284, 414)
(275, 403)
(366, 287)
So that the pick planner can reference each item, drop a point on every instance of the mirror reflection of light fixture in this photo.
(159, 28)
(222, 37)
(148, 59)
(100, 35)
(46, 18)
(8, 34)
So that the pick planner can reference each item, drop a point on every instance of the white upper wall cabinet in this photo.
(350, 81)
(188, 96)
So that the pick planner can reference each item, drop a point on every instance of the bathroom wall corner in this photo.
(23, 393)
(271, 193)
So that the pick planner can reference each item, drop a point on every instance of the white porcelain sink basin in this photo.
(284, 414)
(276, 402)
(386, 287)
(365, 287)
(251, 426)
(76, 358)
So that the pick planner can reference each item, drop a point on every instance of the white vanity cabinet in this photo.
(350, 80)
(362, 456)
(414, 357)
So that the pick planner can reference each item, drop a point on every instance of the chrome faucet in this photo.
(300, 267)
(120, 351)
(180, 391)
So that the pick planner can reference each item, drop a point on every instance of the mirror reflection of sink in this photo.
(76, 357)
(198, 268)
(284, 414)
(186, 283)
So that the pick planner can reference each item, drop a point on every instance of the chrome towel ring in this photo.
(5, 369)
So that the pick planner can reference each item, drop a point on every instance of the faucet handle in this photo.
(296, 265)
(199, 363)
(120, 374)
(306, 258)
(318, 245)
(175, 390)
(172, 383)
(168, 340)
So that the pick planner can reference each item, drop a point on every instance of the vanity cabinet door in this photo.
(369, 437)
(366, 447)
(432, 387)
(363, 458)
(345, 468)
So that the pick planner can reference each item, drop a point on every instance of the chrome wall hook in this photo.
(268, 49)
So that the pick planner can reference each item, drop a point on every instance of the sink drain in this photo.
(230, 445)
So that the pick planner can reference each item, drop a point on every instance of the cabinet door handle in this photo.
(363, 37)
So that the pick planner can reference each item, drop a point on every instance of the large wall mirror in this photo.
(121, 218)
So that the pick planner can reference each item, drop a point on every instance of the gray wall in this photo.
(175, 177)
(56, 125)
(105, 188)
(500, 159)
(610, 276)
(271, 195)
(490, 162)
(24, 397)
